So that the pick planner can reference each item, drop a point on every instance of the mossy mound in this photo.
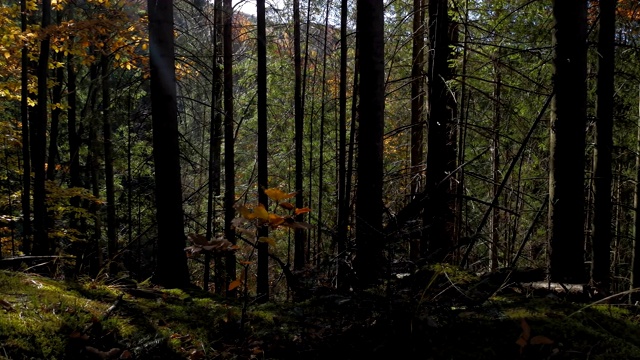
(41, 318)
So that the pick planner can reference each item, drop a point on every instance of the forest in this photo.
(319, 179)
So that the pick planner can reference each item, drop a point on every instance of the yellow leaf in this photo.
(540, 340)
(246, 213)
(275, 220)
(7, 55)
(278, 195)
(268, 240)
(302, 211)
(234, 284)
(261, 213)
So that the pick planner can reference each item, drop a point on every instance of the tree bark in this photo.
(26, 157)
(601, 260)
(229, 140)
(567, 142)
(41, 244)
(299, 235)
(171, 266)
(369, 207)
(438, 217)
(263, 231)
(417, 110)
(112, 239)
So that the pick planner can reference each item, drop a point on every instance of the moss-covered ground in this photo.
(41, 318)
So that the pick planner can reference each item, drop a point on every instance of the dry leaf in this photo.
(540, 340)
(303, 210)
(234, 284)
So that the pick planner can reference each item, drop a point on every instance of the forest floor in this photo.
(442, 313)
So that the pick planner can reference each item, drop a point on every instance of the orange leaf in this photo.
(275, 220)
(234, 284)
(288, 206)
(261, 213)
(540, 340)
(302, 211)
(277, 195)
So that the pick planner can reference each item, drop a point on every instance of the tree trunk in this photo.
(417, 110)
(229, 140)
(41, 244)
(26, 160)
(369, 207)
(495, 145)
(171, 267)
(567, 143)
(438, 217)
(299, 235)
(112, 240)
(343, 196)
(601, 263)
(263, 231)
(635, 260)
(215, 150)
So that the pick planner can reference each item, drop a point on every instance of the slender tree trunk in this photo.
(299, 235)
(567, 142)
(26, 157)
(321, 175)
(438, 216)
(601, 262)
(635, 266)
(417, 110)
(112, 240)
(215, 150)
(93, 163)
(263, 231)
(171, 267)
(495, 219)
(41, 244)
(74, 138)
(369, 206)
(55, 112)
(229, 140)
(343, 196)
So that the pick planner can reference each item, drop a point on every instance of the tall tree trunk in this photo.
(369, 206)
(299, 235)
(24, 117)
(171, 267)
(495, 145)
(112, 239)
(263, 231)
(601, 263)
(41, 244)
(215, 149)
(322, 130)
(635, 260)
(417, 110)
(567, 143)
(55, 112)
(438, 217)
(93, 161)
(343, 196)
(229, 140)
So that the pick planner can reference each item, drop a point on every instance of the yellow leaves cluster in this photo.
(258, 215)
